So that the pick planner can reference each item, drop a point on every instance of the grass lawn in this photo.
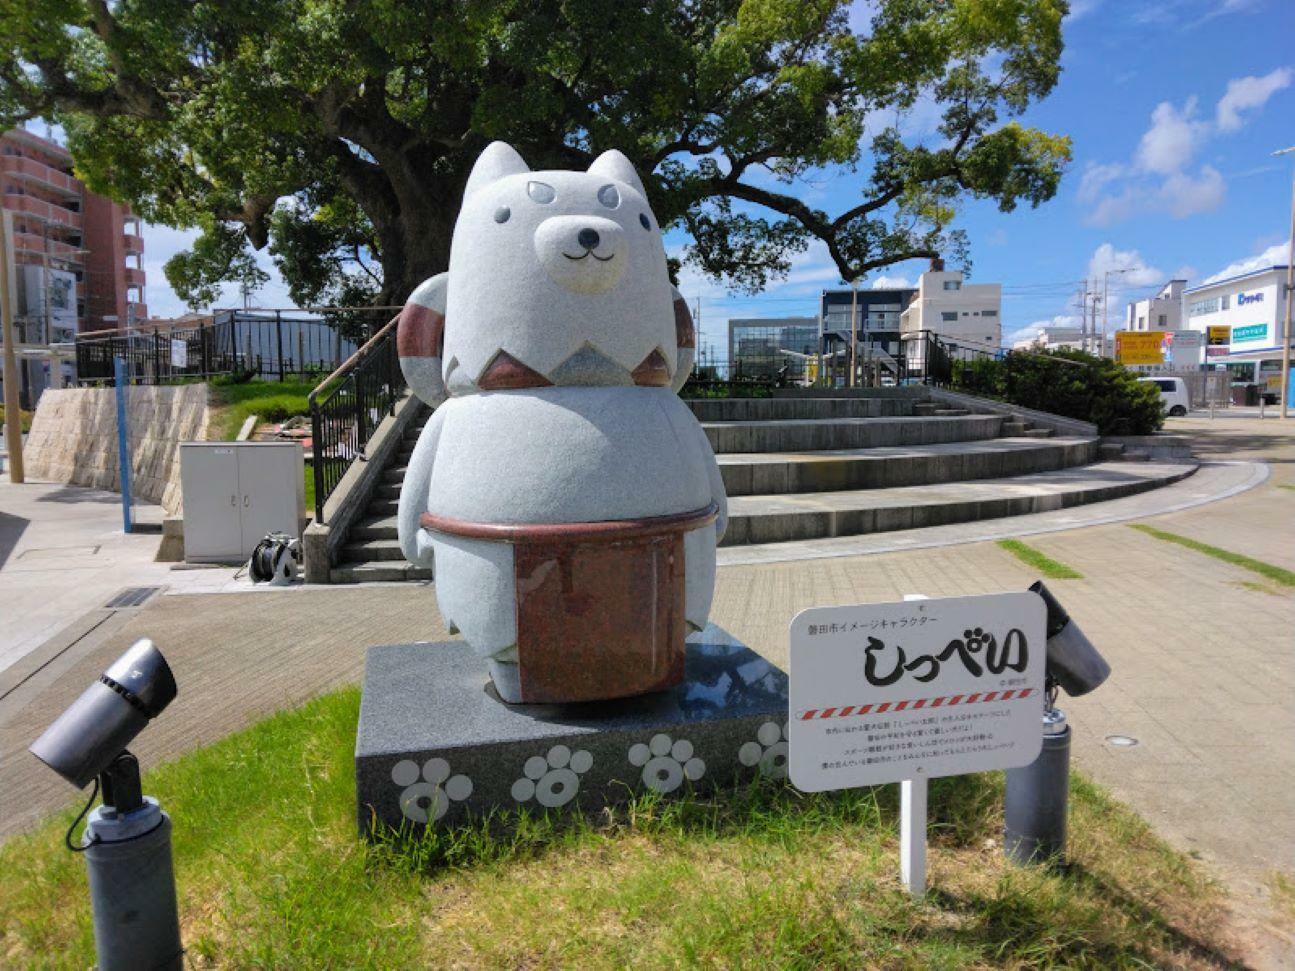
(271, 874)
(1050, 568)
(271, 400)
(1277, 574)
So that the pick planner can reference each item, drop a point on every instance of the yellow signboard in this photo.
(1218, 335)
(1140, 347)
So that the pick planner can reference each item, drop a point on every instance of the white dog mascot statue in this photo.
(569, 500)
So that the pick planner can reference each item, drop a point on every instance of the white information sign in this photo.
(892, 691)
(179, 353)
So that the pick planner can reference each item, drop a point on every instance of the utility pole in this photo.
(12, 412)
(854, 327)
(1092, 330)
(1106, 305)
(1290, 296)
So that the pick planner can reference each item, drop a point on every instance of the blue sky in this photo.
(1174, 108)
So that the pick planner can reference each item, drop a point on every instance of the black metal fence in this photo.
(272, 345)
(348, 406)
(923, 357)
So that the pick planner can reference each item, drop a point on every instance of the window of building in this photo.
(949, 315)
(1162, 320)
(1226, 300)
(1203, 307)
(952, 285)
(989, 313)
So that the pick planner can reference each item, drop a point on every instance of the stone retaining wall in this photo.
(74, 437)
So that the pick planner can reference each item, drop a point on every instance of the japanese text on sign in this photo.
(883, 692)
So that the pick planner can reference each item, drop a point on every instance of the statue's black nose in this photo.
(587, 238)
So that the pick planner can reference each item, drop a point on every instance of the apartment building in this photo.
(78, 258)
(965, 314)
(1164, 311)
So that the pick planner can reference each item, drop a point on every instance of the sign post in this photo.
(123, 441)
(904, 692)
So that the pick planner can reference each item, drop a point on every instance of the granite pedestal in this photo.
(436, 746)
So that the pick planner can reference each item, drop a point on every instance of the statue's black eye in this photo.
(643, 220)
(502, 214)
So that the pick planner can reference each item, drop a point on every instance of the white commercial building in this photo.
(1164, 311)
(1241, 322)
(965, 314)
(1053, 338)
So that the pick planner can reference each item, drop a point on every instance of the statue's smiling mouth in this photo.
(589, 252)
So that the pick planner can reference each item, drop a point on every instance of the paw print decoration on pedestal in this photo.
(553, 780)
(666, 763)
(768, 752)
(427, 793)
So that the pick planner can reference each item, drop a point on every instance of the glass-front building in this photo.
(772, 347)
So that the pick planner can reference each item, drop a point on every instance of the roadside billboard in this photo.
(49, 294)
(1140, 346)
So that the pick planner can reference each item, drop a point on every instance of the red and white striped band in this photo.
(945, 701)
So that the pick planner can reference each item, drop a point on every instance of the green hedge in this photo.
(1067, 383)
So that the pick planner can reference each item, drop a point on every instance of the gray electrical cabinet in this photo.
(235, 493)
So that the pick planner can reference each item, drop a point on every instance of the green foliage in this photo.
(1069, 383)
(218, 256)
(341, 132)
(1277, 574)
(24, 419)
(1038, 560)
(271, 874)
(275, 401)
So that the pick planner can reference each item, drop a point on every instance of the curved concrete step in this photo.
(823, 434)
(773, 519)
(380, 572)
(788, 409)
(383, 548)
(779, 473)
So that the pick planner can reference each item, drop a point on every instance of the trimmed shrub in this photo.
(1069, 383)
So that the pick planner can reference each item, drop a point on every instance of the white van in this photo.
(1173, 395)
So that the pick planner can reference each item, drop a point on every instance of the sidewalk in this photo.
(1201, 652)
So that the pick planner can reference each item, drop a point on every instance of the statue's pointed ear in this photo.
(498, 160)
(615, 165)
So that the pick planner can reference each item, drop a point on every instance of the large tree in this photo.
(341, 132)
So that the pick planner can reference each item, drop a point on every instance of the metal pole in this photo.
(854, 327)
(1037, 797)
(278, 339)
(1290, 295)
(123, 440)
(12, 406)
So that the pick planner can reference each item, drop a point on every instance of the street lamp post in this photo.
(1290, 296)
(1106, 307)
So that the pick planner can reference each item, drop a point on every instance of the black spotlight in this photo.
(127, 840)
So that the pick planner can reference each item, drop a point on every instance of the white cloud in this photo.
(1274, 255)
(1168, 145)
(892, 283)
(1158, 177)
(1097, 177)
(1248, 93)
(1136, 272)
(1171, 139)
(1183, 196)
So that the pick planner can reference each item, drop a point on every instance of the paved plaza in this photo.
(1201, 651)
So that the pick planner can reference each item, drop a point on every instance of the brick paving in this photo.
(1201, 651)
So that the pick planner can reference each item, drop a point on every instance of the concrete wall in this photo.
(74, 437)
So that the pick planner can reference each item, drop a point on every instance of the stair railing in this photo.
(347, 407)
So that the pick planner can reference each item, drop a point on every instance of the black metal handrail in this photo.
(348, 406)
